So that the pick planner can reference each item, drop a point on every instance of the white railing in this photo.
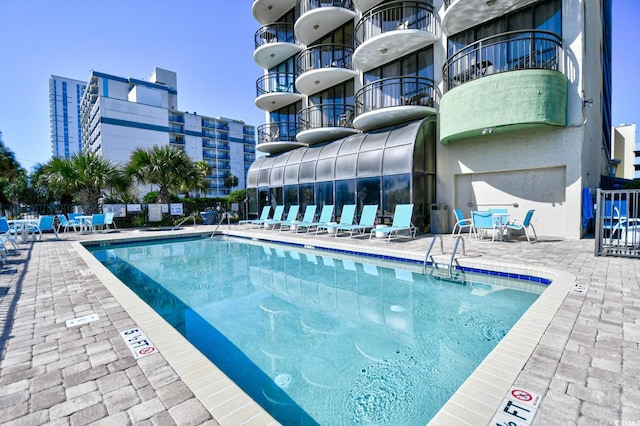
(617, 223)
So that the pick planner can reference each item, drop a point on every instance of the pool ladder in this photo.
(191, 216)
(443, 262)
(213, 234)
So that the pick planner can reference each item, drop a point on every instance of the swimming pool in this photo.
(335, 339)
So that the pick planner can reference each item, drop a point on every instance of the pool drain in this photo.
(283, 380)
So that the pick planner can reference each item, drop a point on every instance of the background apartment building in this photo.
(65, 95)
(471, 104)
(121, 114)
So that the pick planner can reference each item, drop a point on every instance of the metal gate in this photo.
(617, 225)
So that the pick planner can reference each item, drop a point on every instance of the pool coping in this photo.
(475, 402)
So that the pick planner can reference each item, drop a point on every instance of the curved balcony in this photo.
(275, 43)
(364, 5)
(275, 90)
(323, 66)
(394, 100)
(277, 137)
(511, 51)
(392, 30)
(317, 18)
(325, 122)
(267, 11)
(460, 15)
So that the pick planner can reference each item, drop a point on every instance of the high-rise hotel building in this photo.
(121, 114)
(468, 104)
(65, 95)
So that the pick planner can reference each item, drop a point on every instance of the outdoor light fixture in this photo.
(316, 26)
(384, 50)
(491, 2)
(487, 130)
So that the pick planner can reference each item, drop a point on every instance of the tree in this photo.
(168, 168)
(229, 180)
(10, 170)
(86, 175)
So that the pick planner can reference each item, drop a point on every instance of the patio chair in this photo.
(523, 225)
(292, 215)
(346, 218)
(108, 220)
(309, 214)
(325, 218)
(481, 223)
(461, 222)
(401, 223)
(97, 221)
(6, 236)
(277, 216)
(260, 221)
(367, 222)
(65, 223)
(45, 223)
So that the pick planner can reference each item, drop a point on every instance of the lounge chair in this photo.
(401, 223)
(325, 218)
(309, 214)
(292, 215)
(45, 223)
(481, 223)
(5, 234)
(525, 224)
(277, 216)
(461, 222)
(263, 216)
(346, 218)
(367, 222)
(66, 223)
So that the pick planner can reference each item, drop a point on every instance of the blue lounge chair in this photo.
(461, 222)
(367, 221)
(45, 223)
(401, 223)
(522, 225)
(263, 216)
(292, 215)
(346, 218)
(309, 214)
(325, 218)
(482, 222)
(277, 216)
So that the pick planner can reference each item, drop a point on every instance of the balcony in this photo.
(460, 15)
(267, 11)
(364, 5)
(275, 90)
(325, 122)
(392, 30)
(511, 51)
(278, 137)
(394, 100)
(323, 66)
(317, 18)
(275, 43)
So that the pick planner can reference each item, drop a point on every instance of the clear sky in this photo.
(208, 43)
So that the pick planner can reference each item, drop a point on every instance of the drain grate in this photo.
(86, 272)
(580, 288)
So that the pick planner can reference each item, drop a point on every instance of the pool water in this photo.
(320, 339)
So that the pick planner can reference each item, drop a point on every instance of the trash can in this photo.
(207, 218)
(439, 219)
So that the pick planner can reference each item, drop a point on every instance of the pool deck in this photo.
(579, 348)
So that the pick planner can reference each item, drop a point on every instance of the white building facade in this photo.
(121, 114)
(65, 95)
(512, 102)
(626, 151)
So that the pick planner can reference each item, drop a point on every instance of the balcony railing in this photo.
(275, 82)
(325, 56)
(278, 32)
(176, 118)
(326, 115)
(396, 15)
(305, 6)
(281, 131)
(395, 91)
(515, 50)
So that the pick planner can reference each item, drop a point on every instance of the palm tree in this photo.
(86, 175)
(164, 166)
(229, 180)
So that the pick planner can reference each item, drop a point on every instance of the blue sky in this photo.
(209, 44)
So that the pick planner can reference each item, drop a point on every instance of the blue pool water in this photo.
(325, 340)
